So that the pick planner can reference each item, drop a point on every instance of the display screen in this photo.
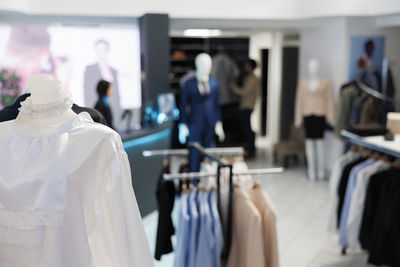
(78, 56)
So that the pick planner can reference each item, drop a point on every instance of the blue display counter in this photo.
(145, 171)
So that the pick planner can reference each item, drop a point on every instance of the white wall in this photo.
(250, 9)
(15, 5)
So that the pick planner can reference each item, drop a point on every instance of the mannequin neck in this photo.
(202, 77)
(314, 82)
(47, 123)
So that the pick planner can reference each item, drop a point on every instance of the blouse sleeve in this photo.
(119, 238)
(329, 103)
(299, 105)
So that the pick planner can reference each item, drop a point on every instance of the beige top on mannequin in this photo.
(314, 96)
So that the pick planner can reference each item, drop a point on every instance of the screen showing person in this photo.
(78, 56)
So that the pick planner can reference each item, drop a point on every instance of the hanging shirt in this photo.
(357, 202)
(333, 185)
(165, 228)
(341, 190)
(346, 205)
(375, 185)
(206, 242)
(66, 197)
(194, 227)
(216, 230)
(183, 235)
(247, 248)
(269, 233)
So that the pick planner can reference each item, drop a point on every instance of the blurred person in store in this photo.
(248, 94)
(101, 70)
(104, 92)
(366, 69)
(28, 52)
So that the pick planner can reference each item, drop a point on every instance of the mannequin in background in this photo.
(314, 105)
(200, 112)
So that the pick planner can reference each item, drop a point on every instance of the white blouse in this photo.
(66, 198)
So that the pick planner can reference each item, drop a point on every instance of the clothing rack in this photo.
(361, 141)
(239, 151)
(211, 153)
(192, 175)
(373, 92)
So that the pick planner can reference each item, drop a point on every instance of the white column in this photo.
(275, 89)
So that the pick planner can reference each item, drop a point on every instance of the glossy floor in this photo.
(302, 210)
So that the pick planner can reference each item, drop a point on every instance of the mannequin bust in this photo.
(203, 69)
(46, 90)
(313, 67)
(203, 64)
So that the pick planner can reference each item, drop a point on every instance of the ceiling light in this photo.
(201, 32)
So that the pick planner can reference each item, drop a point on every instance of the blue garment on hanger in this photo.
(351, 184)
(183, 234)
(194, 227)
(206, 239)
(216, 229)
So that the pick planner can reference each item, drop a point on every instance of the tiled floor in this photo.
(302, 211)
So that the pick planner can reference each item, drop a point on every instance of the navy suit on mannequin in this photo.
(200, 112)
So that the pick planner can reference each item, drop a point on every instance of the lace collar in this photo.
(44, 111)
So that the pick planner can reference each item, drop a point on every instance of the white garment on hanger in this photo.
(356, 209)
(66, 198)
(334, 181)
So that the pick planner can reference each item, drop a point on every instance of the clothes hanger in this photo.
(375, 156)
(184, 189)
(191, 188)
(165, 163)
(256, 185)
(386, 159)
(365, 153)
(396, 164)
(201, 188)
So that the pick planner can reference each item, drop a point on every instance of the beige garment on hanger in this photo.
(263, 204)
(247, 243)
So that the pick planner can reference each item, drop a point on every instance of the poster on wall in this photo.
(366, 57)
(78, 56)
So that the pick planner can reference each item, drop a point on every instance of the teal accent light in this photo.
(146, 139)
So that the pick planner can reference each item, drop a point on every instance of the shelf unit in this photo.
(375, 143)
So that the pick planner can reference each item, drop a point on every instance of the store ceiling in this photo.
(209, 9)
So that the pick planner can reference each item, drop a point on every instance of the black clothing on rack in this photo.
(165, 199)
(384, 243)
(11, 112)
(343, 185)
(371, 206)
(380, 232)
